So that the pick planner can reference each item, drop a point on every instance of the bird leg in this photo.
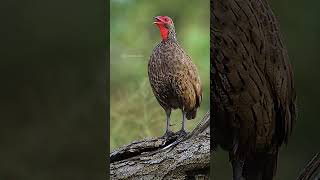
(168, 132)
(183, 132)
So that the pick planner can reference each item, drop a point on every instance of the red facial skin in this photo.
(161, 22)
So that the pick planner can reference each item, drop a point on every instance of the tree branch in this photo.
(312, 169)
(158, 158)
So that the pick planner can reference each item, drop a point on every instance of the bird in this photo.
(173, 76)
(253, 98)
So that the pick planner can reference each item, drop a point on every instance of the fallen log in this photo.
(176, 157)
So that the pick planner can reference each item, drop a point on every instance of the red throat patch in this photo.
(163, 31)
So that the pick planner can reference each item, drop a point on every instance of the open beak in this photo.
(157, 20)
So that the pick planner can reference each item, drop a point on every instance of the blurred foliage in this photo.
(135, 112)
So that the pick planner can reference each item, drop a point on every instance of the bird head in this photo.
(166, 26)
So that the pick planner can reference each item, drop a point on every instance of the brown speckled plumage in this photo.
(174, 78)
(252, 91)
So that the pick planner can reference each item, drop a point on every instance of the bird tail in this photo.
(261, 166)
(191, 114)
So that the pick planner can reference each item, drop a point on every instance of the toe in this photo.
(168, 134)
(182, 133)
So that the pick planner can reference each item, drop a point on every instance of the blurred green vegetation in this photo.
(135, 112)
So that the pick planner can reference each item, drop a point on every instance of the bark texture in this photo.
(157, 158)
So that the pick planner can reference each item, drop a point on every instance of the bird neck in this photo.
(167, 34)
(172, 34)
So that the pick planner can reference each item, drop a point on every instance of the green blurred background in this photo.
(135, 112)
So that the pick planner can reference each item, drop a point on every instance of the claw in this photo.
(167, 135)
(182, 133)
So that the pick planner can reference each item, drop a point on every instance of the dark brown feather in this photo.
(253, 96)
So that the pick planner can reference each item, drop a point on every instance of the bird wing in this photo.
(253, 96)
(253, 87)
(186, 82)
(195, 80)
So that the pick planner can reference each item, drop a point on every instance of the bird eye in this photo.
(166, 19)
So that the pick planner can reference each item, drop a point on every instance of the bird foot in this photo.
(168, 135)
(180, 136)
(181, 133)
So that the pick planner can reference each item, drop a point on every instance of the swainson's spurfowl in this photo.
(173, 77)
(252, 89)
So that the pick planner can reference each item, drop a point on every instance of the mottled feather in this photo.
(174, 78)
(253, 94)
